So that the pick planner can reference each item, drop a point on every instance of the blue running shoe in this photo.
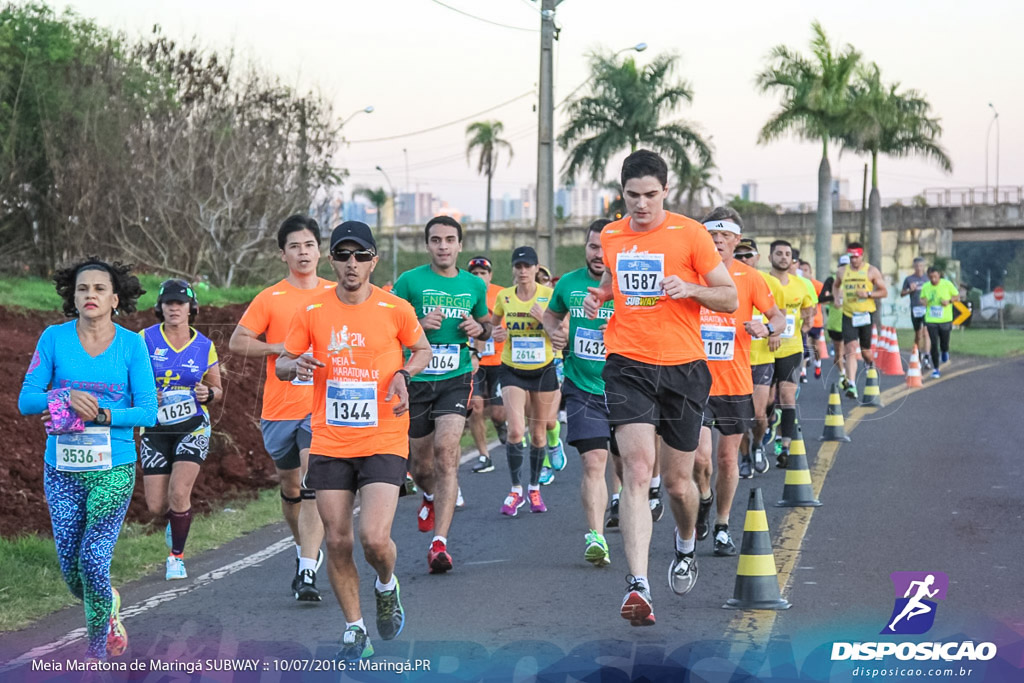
(557, 456)
(355, 645)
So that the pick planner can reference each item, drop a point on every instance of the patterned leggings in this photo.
(87, 510)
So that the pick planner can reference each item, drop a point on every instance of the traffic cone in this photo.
(872, 396)
(893, 362)
(874, 343)
(797, 491)
(757, 583)
(914, 371)
(835, 429)
(822, 347)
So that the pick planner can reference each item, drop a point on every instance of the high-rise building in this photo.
(748, 191)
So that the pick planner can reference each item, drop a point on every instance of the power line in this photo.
(486, 21)
(443, 125)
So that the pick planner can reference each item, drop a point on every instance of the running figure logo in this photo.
(914, 611)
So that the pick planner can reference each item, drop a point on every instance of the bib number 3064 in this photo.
(351, 404)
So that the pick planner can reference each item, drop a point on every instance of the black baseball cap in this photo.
(353, 231)
(176, 290)
(525, 255)
(747, 242)
(480, 262)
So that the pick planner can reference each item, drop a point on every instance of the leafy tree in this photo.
(626, 108)
(747, 207)
(378, 197)
(694, 183)
(815, 105)
(885, 120)
(485, 136)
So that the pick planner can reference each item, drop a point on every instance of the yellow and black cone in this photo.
(835, 429)
(798, 491)
(872, 396)
(757, 584)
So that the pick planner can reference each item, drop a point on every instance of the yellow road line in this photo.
(755, 626)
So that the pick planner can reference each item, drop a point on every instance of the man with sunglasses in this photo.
(349, 342)
(486, 398)
(451, 305)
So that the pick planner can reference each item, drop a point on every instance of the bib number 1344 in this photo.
(351, 404)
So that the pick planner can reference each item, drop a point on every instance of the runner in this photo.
(285, 417)
(938, 295)
(818, 324)
(762, 372)
(730, 407)
(187, 372)
(486, 396)
(360, 422)
(92, 383)
(527, 371)
(451, 305)
(798, 306)
(583, 388)
(860, 284)
(912, 288)
(656, 376)
(834, 324)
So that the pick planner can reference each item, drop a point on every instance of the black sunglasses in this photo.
(362, 256)
(745, 255)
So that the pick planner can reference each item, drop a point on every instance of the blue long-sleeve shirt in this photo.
(121, 379)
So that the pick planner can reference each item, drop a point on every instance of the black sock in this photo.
(516, 455)
(788, 427)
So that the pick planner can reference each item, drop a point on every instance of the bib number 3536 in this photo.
(351, 404)
(85, 451)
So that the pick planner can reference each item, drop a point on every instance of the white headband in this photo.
(724, 226)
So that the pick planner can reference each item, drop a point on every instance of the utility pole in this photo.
(546, 241)
(864, 209)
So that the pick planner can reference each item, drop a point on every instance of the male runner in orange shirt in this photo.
(656, 376)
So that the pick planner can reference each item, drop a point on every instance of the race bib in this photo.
(719, 341)
(589, 344)
(640, 275)
(85, 451)
(861, 319)
(304, 382)
(351, 404)
(528, 350)
(917, 311)
(935, 311)
(488, 348)
(176, 406)
(790, 326)
(445, 359)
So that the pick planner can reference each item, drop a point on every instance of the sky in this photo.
(421, 64)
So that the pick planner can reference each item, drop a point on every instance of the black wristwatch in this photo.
(101, 418)
(771, 330)
(209, 397)
(404, 373)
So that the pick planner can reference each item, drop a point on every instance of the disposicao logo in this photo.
(913, 613)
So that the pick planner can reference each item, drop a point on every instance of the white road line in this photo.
(483, 562)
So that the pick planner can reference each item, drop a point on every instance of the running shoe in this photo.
(936, 374)
(117, 637)
(636, 606)
(817, 372)
(167, 536)
(425, 517)
(778, 446)
(175, 568)
(761, 464)
(355, 645)
(513, 501)
(803, 377)
(547, 475)
(613, 515)
(782, 459)
(682, 573)
(502, 430)
(851, 390)
(390, 615)
(483, 465)
(297, 579)
(307, 591)
(556, 456)
(945, 357)
(597, 552)
(926, 360)
(703, 513)
(460, 502)
(654, 498)
(724, 547)
(536, 502)
(438, 559)
(410, 485)
(745, 467)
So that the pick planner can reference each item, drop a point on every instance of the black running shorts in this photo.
(351, 474)
(730, 415)
(431, 399)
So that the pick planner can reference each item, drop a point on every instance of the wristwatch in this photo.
(404, 373)
(771, 330)
(101, 418)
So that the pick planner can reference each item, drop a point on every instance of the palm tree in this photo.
(815, 106)
(884, 120)
(693, 184)
(378, 197)
(625, 109)
(486, 135)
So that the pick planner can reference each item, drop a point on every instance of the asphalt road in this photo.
(931, 482)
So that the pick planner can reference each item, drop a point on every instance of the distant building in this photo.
(748, 191)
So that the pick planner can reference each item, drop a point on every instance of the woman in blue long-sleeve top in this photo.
(91, 373)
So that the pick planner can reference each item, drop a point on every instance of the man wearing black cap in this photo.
(486, 384)
(349, 341)
(284, 419)
(451, 305)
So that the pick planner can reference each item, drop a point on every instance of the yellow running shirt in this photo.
(528, 346)
(795, 296)
(853, 282)
(760, 354)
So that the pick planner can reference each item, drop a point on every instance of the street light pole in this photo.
(988, 139)
(365, 110)
(394, 228)
(546, 138)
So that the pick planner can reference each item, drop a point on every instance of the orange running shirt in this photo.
(492, 356)
(361, 348)
(270, 314)
(726, 341)
(647, 325)
(819, 320)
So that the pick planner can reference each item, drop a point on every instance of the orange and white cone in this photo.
(914, 371)
(822, 347)
(893, 363)
(874, 343)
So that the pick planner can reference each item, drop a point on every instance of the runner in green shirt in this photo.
(451, 305)
(583, 387)
(937, 296)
